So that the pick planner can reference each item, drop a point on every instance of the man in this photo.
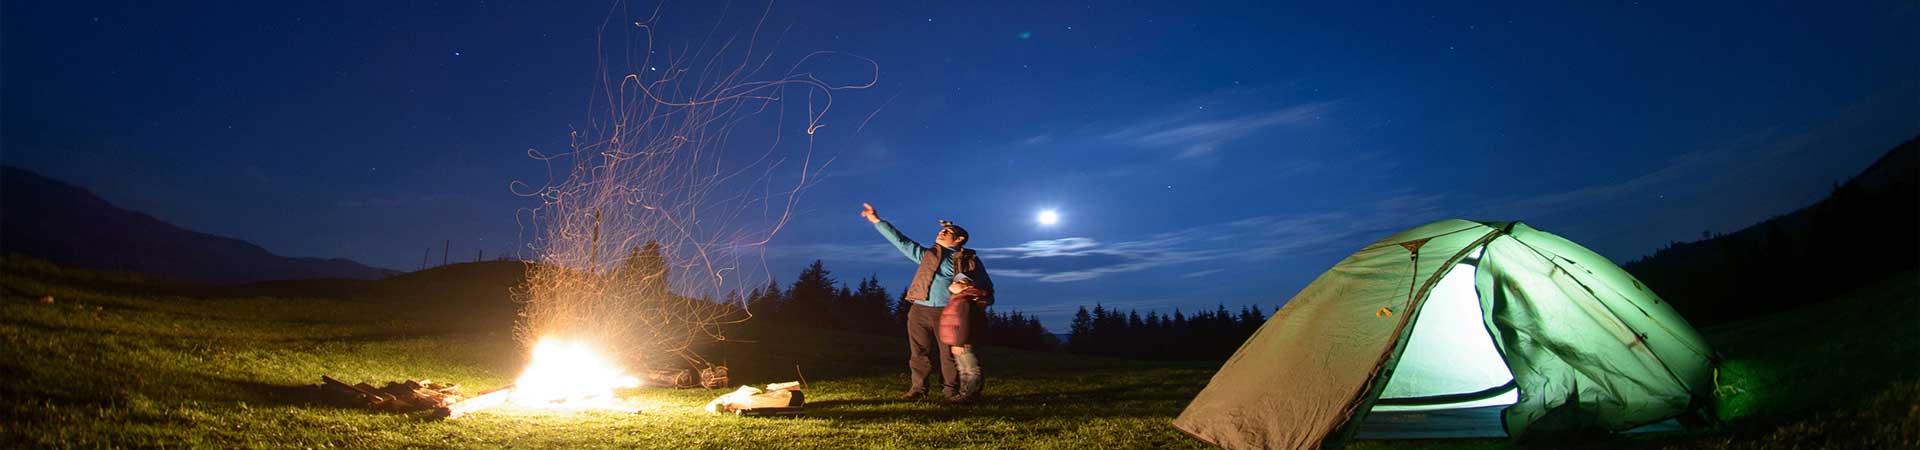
(928, 294)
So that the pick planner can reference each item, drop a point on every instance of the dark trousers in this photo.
(922, 345)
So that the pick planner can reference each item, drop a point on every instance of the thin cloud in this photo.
(1734, 157)
(1239, 241)
(1017, 273)
(1196, 137)
(1073, 246)
(1202, 273)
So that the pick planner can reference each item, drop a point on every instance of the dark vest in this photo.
(964, 261)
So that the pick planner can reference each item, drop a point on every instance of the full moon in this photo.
(1049, 217)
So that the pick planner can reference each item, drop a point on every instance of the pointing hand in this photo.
(868, 213)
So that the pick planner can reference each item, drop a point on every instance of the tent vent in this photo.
(1414, 245)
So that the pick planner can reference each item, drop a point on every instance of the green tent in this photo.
(1449, 318)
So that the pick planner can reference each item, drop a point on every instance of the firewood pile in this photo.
(712, 377)
(396, 396)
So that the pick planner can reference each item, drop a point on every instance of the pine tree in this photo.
(874, 311)
(1080, 332)
(766, 304)
(811, 298)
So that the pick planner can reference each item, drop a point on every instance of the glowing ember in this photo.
(570, 375)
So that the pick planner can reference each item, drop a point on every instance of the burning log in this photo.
(485, 399)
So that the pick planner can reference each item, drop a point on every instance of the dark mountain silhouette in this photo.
(1866, 230)
(51, 220)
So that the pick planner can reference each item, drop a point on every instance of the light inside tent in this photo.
(1450, 351)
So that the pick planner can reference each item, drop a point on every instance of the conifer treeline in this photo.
(817, 301)
(1207, 335)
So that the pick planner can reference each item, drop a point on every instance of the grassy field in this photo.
(117, 361)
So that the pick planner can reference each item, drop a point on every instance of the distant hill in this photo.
(1867, 229)
(58, 222)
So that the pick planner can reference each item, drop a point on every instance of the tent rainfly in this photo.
(1543, 334)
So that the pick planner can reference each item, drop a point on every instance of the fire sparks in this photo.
(570, 374)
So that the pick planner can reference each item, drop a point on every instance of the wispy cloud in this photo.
(1202, 273)
(1073, 246)
(1740, 156)
(1193, 136)
(1234, 242)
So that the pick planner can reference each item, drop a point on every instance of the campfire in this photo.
(561, 374)
(569, 374)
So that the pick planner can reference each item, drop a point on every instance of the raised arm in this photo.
(900, 241)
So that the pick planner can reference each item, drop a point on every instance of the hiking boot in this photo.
(972, 380)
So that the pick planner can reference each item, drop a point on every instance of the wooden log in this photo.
(485, 399)
(330, 381)
(678, 378)
(714, 377)
(772, 411)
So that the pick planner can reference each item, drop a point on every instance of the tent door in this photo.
(1450, 361)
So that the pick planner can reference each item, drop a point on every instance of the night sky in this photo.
(1197, 154)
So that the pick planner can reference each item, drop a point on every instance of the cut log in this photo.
(790, 385)
(713, 377)
(777, 399)
(396, 396)
(678, 378)
(485, 399)
(330, 381)
(780, 411)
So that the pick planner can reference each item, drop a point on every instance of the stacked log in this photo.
(396, 396)
(676, 378)
(712, 377)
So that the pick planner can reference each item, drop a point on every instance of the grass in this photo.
(117, 361)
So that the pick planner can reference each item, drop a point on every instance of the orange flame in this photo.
(570, 374)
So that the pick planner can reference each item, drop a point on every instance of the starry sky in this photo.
(1197, 154)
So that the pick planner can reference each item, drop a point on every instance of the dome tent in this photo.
(1455, 315)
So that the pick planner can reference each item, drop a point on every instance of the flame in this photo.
(569, 374)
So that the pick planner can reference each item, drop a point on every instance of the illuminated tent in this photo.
(1429, 326)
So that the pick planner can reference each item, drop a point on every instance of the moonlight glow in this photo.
(1048, 217)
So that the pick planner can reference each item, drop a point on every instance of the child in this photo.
(963, 319)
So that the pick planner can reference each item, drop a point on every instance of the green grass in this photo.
(119, 361)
